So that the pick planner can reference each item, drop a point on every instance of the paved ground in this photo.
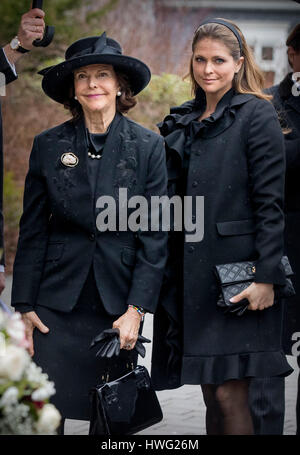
(184, 410)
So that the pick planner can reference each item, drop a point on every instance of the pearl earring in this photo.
(75, 98)
(119, 93)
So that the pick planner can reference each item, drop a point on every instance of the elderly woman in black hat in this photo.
(72, 277)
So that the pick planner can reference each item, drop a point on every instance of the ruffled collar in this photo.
(182, 121)
(181, 116)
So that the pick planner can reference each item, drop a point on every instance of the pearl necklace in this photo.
(91, 155)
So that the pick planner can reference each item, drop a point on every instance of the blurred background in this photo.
(159, 32)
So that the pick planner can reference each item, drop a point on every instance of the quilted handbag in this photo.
(236, 277)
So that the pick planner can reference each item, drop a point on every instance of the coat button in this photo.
(191, 249)
(92, 236)
(194, 184)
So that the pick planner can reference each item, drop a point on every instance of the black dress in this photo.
(64, 352)
(194, 342)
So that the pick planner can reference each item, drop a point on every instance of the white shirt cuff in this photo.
(10, 64)
(2, 269)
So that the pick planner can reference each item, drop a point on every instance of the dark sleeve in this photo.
(33, 236)
(292, 153)
(23, 307)
(2, 257)
(6, 69)
(152, 245)
(7, 75)
(266, 160)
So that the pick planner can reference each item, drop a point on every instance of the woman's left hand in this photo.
(129, 325)
(259, 295)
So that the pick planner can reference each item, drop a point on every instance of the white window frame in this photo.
(261, 34)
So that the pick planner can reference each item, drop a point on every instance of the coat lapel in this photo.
(117, 169)
(75, 180)
(111, 154)
(224, 115)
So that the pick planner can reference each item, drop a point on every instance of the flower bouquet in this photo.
(24, 389)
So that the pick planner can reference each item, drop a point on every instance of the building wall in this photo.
(265, 24)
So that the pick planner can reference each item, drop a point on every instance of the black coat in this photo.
(59, 240)
(5, 68)
(237, 164)
(288, 107)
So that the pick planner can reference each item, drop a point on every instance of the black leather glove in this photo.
(109, 342)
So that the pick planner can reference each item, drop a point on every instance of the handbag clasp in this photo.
(251, 269)
(105, 378)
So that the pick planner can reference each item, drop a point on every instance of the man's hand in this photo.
(2, 282)
(31, 320)
(31, 28)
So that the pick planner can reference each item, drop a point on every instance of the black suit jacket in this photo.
(5, 68)
(59, 240)
(288, 108)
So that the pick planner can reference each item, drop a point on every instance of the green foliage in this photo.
(12, 201)
(10, 13)
(70, 22)
(6, 385)
(57, 14)
(154, 102)
(167, 89)
(96, 15)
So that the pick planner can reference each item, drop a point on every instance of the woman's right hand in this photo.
(259, 295)
(31, 320)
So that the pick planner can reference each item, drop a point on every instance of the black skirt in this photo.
(63, 353)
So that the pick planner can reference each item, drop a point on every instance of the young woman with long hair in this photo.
(226, 145)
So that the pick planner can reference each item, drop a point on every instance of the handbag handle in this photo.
(107, 368)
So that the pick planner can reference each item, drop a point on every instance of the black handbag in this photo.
(124, 406)
(236, 277)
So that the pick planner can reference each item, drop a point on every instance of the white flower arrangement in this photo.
(24, 389)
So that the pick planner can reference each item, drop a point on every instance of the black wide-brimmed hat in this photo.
(88, 51)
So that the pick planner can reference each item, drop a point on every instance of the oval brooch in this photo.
(69, 159)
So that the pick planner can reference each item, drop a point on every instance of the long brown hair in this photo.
(250, 78)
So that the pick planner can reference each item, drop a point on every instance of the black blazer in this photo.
(288, 108)
(5, 68)
(59, 240)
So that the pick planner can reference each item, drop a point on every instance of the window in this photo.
(267, 53)
(267, 40)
